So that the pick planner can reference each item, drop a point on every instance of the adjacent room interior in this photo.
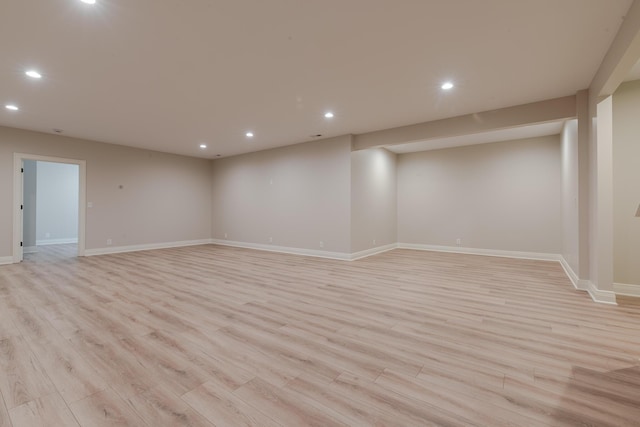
(50, 210)
(301, 214)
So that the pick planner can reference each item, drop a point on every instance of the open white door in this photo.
(18, 200)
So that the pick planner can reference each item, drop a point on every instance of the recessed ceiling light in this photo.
(203, 146)
(88, 1)
(328, 115)
(447, 85)
(249, 134)
(11, 107)
(33, 74)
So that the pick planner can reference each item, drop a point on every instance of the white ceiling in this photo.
(530, 131)
(169, 75)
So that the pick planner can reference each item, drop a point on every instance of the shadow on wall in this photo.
(595, 398)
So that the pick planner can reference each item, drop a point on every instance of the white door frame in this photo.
(18, 158)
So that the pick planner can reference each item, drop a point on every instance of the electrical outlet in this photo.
(458, 241)
(321, 244)
(225, 235)
(374, 242)
(270, 239)
(109, 242)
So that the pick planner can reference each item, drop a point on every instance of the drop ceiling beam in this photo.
(621, 57)
(520, 115)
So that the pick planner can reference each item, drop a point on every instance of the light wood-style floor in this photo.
(210, 335)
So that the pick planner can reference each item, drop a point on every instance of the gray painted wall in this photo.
(374, 201)
(296, 196)
(626, 183)
(570, 194)
(164, 197)
(502, 196)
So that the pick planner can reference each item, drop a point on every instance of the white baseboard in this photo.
(485, 252)
(283, 249)
(146, 247)
(604, 297)
(373, 251)
(600, 296)
(597, 295)
(581, 285)
(30, 250)
(626, 289)
(56, 241)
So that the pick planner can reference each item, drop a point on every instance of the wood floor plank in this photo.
(5, 421)
(46, 411)
(23, 377)
(288, 408)
(123, 371)
(474, 410)
(356, 412)
(161, 407)
(414, 411)
(227, 373)
(105, 409)
(72, 376)
(7, 326)
(223, 408)
(211, 335)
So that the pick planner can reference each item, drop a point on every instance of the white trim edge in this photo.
(626, 289)
(373, 251)
(56, 241)
(597, 295)
(581, 285)
(604, 297)
(4, 260)
(17, 225)
(484, 252)
(146, 247)
(283, 249)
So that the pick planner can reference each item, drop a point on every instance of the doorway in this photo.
(49, 207)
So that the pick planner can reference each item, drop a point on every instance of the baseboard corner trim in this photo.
(581, 285)
(600, 296)
(626, 289)
(283, 249)
(373, 251)
(4, 260)
(145, 247)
